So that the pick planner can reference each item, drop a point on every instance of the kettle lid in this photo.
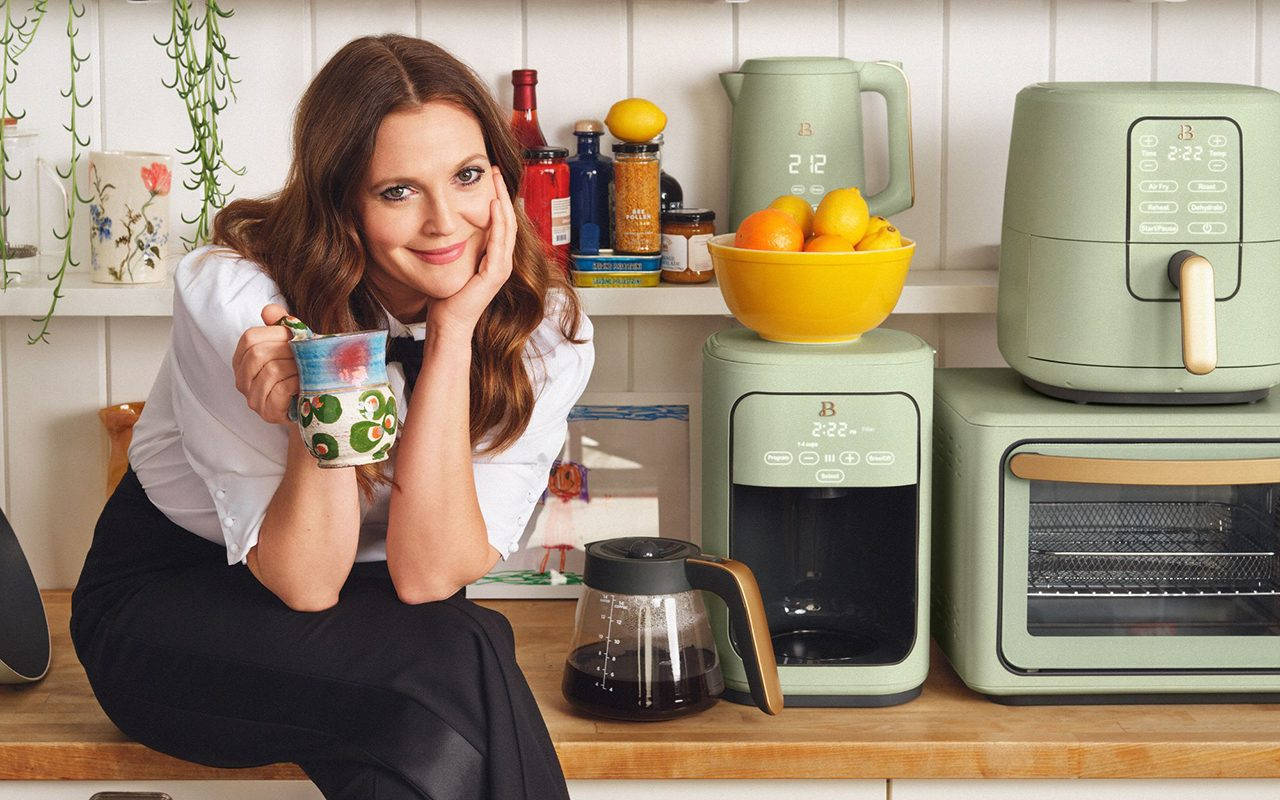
(639, 565)
(800, 65)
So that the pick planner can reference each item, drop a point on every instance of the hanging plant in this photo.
(14, 39)
(77, 144)
(202, 78)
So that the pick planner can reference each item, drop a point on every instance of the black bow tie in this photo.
(408, 351)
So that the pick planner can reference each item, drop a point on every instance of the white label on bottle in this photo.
(559, 221)
(699, 254)
(675, 252)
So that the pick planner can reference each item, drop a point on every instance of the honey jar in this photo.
(685, 233)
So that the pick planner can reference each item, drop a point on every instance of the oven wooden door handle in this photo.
(1145, 472)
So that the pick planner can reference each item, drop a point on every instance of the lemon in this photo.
(842, 212)
(886, 238)
(798, 208)
(828, 243)
(876, 223)
(635, 120)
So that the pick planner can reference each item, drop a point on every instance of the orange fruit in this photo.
(884, 239)
(799, 209)
(828, 243)
(844, 213)
(769, 229)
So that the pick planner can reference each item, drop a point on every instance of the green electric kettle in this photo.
(797, 129)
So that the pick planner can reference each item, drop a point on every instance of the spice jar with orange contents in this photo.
(636, 214)
(685, 233)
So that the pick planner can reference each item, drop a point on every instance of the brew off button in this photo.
(879, 458)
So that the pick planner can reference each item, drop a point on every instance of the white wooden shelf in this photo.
(927, 292)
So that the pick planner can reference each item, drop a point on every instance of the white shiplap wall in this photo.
(966, 59)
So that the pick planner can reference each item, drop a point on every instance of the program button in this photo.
(777, 458)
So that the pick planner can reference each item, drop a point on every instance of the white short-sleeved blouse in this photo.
(212, 465)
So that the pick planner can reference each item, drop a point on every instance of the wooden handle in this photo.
(1145, 472)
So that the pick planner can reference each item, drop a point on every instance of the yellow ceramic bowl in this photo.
(809, 298)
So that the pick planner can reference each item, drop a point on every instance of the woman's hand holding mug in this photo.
(265, 369)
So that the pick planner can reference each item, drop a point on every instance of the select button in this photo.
(830, 475)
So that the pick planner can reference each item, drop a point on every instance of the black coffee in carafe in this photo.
(620, 686)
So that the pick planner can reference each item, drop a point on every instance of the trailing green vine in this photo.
(68, 260)
(14, 39)
(202, 78)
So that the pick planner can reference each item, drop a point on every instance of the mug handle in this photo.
(888, 80)
(299, 330)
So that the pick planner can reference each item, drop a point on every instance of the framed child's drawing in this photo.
(630, 467)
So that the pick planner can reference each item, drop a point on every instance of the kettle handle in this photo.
(888, 80)
(733, 582)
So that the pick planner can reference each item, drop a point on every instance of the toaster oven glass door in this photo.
(1147, 555)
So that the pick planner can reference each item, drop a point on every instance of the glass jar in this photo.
(19, 198)
(685, 233)
(636, 215)
(545, 197)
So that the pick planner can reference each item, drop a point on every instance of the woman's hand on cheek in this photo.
(458, 314)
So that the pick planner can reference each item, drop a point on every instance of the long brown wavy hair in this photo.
(308, 236)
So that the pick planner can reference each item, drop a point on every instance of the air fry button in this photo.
(879, 458)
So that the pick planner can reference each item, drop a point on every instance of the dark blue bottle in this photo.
(589, 176)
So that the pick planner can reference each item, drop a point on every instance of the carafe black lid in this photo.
(639, 565)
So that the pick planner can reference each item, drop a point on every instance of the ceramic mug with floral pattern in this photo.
(129, 215)
(345, 409)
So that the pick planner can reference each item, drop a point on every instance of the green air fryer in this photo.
(797, 129)
(815, 474)
(1140, 254)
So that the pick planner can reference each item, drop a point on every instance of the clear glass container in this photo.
(642, 656)
(20, 200)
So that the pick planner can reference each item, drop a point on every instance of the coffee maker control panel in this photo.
(1184, 180)
(825, 440)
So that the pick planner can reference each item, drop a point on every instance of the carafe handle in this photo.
(733, 582)
(888, 80)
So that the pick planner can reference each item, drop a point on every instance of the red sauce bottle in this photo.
(524, 112)
(544, 193)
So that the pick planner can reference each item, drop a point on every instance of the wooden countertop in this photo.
(54, 729)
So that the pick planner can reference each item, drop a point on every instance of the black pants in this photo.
(373, 698)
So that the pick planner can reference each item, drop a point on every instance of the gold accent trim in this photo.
(761, 643)
(1145, 472)
(1199, 329)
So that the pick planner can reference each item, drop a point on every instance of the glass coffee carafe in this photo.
(643, 648)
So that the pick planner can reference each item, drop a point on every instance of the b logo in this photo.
(806, 129)
(1185, 132)
(828, 409)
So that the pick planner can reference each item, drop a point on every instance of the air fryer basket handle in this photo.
(734, 583)
(1192, 274)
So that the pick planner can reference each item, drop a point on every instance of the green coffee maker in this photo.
(797, 129)
(1141, 238)
(815, 474)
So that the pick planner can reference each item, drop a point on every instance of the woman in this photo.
(241, 606)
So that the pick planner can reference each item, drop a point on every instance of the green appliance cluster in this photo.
(1106, 184)
(816, 475)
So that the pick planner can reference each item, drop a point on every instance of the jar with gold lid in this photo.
(685, 233)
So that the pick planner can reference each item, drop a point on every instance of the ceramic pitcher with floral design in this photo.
(129, 215)
(345, 409)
